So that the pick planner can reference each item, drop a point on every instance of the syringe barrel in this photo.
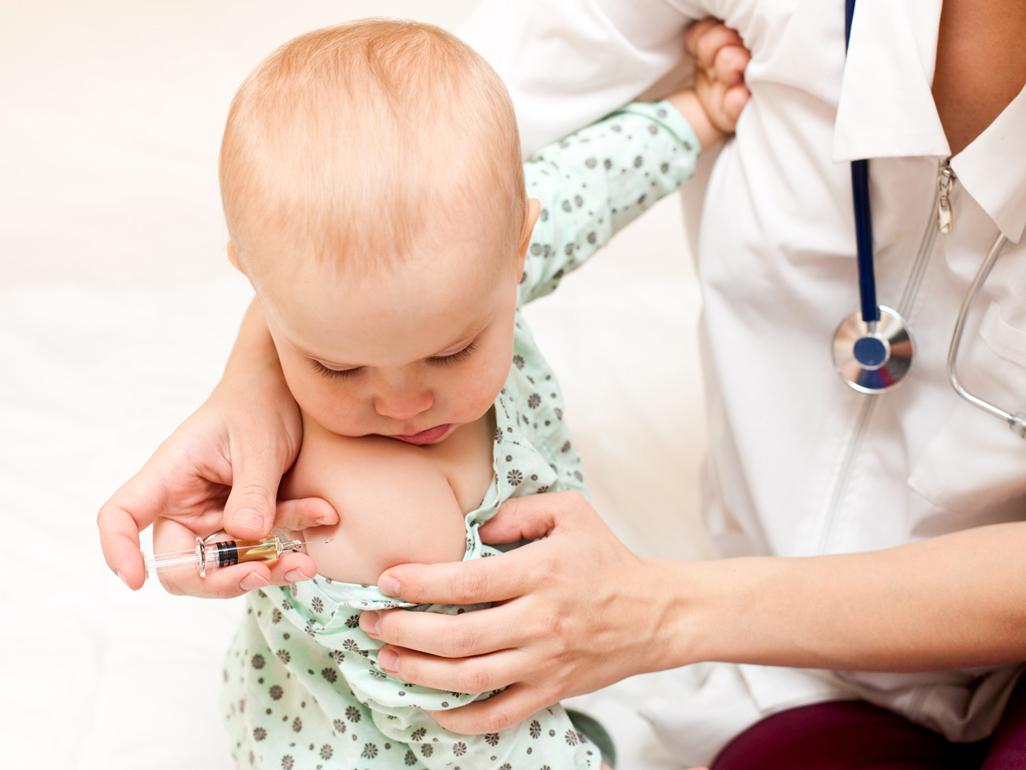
(224, 553)
(162, 562)
(230, 552)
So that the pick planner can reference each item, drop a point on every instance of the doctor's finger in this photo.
(220, 583)
(129, 511)
(290, 568)
(172, 536)
(446, 636)
(463, 675)
(229, 582)
(512, 706)
(464, 582)
(257, 468)
(307, 512)
(534, 516)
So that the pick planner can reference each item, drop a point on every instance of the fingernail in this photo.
(295, 575)
(248, 517)
(389, 660)
(253, 580)
(370, 626)
(122, 576)
(389, 586)
(324, 520)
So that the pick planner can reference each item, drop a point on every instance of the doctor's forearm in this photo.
(254, 353)
(954, 601)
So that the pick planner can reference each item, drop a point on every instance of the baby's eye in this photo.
(455, 358)
(335, 374)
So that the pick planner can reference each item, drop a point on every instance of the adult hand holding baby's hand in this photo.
(219, 470)
(574, 612)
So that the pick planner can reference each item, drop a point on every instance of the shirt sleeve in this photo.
(567, 63)
(593, 183)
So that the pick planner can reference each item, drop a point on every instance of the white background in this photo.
(117, 310)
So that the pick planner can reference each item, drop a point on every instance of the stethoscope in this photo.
(874, 348)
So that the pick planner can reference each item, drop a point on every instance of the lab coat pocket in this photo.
(975, 463)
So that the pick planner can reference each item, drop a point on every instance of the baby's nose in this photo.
(403, 404)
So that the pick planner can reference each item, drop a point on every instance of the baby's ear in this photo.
(531, 211)
(232, 258)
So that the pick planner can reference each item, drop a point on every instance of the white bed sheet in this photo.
(117, 309)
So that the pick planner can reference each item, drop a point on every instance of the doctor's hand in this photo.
(574, 612)
(219, 470)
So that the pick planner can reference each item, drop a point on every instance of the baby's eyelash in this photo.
(334, 374)
(345, 374)
(455, 358)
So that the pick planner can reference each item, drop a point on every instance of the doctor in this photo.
(898, 515)
(876, 594)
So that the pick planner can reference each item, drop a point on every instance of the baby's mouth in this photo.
(426, 436)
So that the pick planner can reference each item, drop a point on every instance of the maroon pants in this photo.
(852, 735)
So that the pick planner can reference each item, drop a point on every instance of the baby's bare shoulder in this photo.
(394, 501)
(330, 465)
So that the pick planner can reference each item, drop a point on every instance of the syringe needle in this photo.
(314, 542)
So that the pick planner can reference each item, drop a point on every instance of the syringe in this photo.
(224, 553)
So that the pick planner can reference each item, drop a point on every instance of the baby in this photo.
(375, 197)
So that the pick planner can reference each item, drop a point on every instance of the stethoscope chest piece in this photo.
(873, 360)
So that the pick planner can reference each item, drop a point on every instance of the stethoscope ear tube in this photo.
(1017, 422)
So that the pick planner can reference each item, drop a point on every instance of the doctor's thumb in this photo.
(250, 509)
(245, 520)
(249, 512)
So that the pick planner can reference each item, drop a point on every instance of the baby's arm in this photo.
(395, 503)
(594, 182)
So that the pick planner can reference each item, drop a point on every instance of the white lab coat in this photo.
(799, 463)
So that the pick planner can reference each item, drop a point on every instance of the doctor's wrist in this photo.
(253, 354)
(684, 622)
(717, 610)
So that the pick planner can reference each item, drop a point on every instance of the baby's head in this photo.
(374, 193)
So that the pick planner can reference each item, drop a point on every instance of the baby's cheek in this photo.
(338, 412)
(485, 386)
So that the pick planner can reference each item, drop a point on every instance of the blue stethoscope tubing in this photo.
(863, 215)
(874, 348)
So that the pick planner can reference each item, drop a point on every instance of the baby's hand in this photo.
(720, 61)
(712, 107)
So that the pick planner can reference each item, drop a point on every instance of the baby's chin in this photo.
(436, 434)
(433, 435)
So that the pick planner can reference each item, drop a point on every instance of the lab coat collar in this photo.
(993, 169)
(886, 109)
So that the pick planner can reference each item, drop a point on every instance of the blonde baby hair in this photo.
(347, 140)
